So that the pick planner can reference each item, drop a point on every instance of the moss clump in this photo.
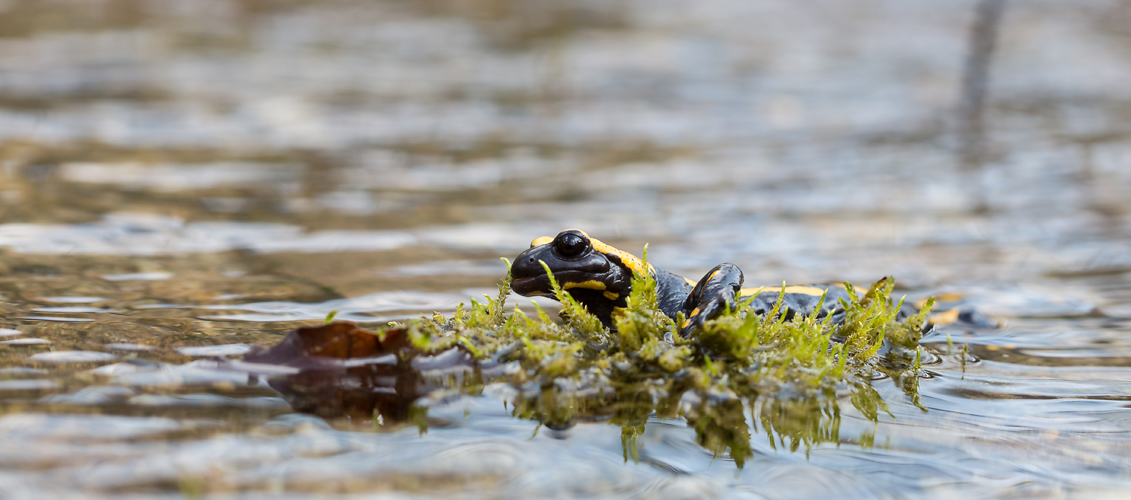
(785, 376)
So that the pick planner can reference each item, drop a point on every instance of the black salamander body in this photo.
(600, 277)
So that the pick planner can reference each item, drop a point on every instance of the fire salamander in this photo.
(599, 276)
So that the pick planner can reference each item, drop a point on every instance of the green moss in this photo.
(789, 377)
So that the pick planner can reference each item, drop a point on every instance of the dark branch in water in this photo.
(975, 80)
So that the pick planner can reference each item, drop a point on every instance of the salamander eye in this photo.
(571, 245)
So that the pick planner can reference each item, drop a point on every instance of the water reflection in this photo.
(339, 370)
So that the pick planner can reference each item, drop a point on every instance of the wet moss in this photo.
(741, 372)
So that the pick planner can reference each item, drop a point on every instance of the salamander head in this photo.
(594, 273)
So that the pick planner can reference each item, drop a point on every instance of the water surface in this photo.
(180, 180)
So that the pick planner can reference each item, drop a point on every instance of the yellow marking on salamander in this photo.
(942, 297)
(591, 285)
(950, 297)
(690, 281)
(694, 313)
(611, 295)
(944, 317)
(803, 290)
(633, 262)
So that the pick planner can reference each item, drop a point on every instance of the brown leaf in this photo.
(339, 340)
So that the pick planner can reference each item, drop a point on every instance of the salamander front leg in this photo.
(717, 291)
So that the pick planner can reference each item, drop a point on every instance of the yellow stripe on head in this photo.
(591, 285)
(631, 261)
(541, 240)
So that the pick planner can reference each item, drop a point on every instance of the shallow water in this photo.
(180, 180)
